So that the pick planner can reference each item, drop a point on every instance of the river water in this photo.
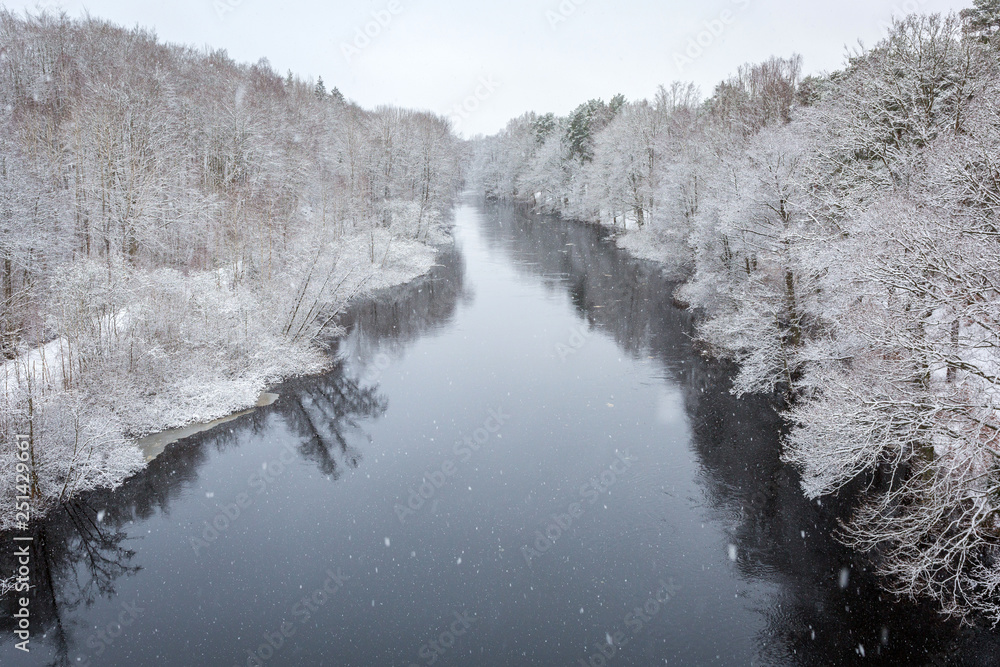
(518, 460)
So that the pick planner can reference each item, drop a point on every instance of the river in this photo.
(520, 459)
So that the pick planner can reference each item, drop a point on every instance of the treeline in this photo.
(840, 237)
(178, 230)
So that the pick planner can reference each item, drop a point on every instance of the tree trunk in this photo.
(955, 329)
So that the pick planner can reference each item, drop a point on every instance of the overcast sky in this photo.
(500, 59)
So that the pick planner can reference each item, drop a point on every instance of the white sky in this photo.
(433, 54)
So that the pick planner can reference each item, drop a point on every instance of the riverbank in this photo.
(94, 425)
(573, 345)
(181, 236)
(666, 247)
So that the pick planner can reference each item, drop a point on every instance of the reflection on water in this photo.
(79, 552)
(582, 348)
(779, 537)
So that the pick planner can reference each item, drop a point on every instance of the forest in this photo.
(837, 236)
(179, 231)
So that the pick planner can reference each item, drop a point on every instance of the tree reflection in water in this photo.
(76, 557)
(788, 565)
(80, 552)
(781, 540)
(323, 411)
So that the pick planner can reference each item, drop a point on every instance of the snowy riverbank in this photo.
(176, 351)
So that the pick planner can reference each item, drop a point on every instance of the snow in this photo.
(212, 267)
(42, 366)
(185, 353)
(852, 272)
(654, 245)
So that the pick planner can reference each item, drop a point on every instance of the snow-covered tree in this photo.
(178, 230)
(840, 237)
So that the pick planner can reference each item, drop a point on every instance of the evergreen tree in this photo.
(810, 91)
(983, 20)
(544, 126)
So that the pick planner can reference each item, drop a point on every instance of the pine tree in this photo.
(983, 20)
(544, 126)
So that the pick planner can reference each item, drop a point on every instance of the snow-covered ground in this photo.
(42, 365)
(650, 245)
(174, 353)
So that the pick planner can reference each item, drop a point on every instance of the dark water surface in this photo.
(519, 460)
